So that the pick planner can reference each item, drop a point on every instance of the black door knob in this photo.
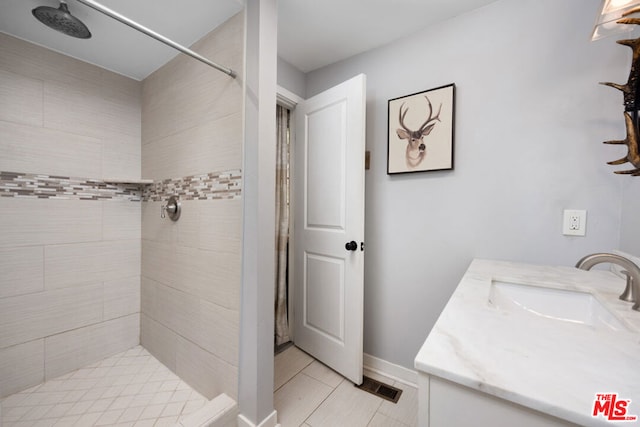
(351, 246)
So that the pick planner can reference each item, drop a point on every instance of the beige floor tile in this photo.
(347, 406)
(300, 382)
(88, 419)
(166, 422)
(298, 398)
(152, 412)
(288, 364)
(380, 420)
(406, 410)
(71, 420)
(323, 373)
(109, 417)
(47, 422)
(130, 415)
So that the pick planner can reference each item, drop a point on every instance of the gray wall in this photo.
(290, 78)
(530, 119)
(630, 223)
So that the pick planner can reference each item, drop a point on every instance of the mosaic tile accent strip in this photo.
(38, 186)
(210, 186)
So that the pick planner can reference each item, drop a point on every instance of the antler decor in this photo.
(633, 156)
(416, 148)
(631, 95)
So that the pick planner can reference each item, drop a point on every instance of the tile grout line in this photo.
(317, 379)
(323, 400)
(124, 356)
(296, 374)
(376, 412)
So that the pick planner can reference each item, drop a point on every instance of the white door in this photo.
(328, 189)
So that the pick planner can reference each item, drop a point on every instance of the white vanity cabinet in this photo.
(443, 403)
(489, 362)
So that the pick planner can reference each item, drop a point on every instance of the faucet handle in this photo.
(171, 209)
(627, 295)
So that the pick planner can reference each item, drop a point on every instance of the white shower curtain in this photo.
(282, 226)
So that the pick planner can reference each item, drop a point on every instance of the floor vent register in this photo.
(380, 389)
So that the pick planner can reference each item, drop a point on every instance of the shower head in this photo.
(60, 19)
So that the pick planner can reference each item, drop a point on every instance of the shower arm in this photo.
(118, 17)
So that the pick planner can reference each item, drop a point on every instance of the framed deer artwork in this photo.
(421, 130)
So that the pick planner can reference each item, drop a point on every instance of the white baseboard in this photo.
(270, 421)
(391, 370)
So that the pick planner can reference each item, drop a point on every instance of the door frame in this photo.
(290, 100)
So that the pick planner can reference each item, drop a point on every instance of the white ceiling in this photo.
(311, 33)
(315, 33)
(113, 45)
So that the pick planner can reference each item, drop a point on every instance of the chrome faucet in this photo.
(632, 291)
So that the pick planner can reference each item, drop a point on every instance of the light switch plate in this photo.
(574, 222)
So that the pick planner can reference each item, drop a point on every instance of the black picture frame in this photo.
(420, 131)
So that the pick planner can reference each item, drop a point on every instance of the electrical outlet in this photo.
(574, 222)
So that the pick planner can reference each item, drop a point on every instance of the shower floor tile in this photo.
(131, 388)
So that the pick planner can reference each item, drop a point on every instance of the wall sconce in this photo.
(610, 12)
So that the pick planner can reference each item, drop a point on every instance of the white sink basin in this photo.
(562, 305)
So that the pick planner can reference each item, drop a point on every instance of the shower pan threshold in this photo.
(131, 388)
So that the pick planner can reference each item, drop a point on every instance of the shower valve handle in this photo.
(167, 208)
(172, 208)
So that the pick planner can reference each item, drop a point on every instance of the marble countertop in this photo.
(551, 366)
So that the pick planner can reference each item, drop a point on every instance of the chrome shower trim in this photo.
(118, 17)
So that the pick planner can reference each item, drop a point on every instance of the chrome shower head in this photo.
(60, 19)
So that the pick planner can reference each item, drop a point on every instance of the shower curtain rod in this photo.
(118, 17)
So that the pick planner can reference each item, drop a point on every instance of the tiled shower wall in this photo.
(69, 267)
(191, 132)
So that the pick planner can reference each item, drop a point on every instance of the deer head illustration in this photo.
(416, 149)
